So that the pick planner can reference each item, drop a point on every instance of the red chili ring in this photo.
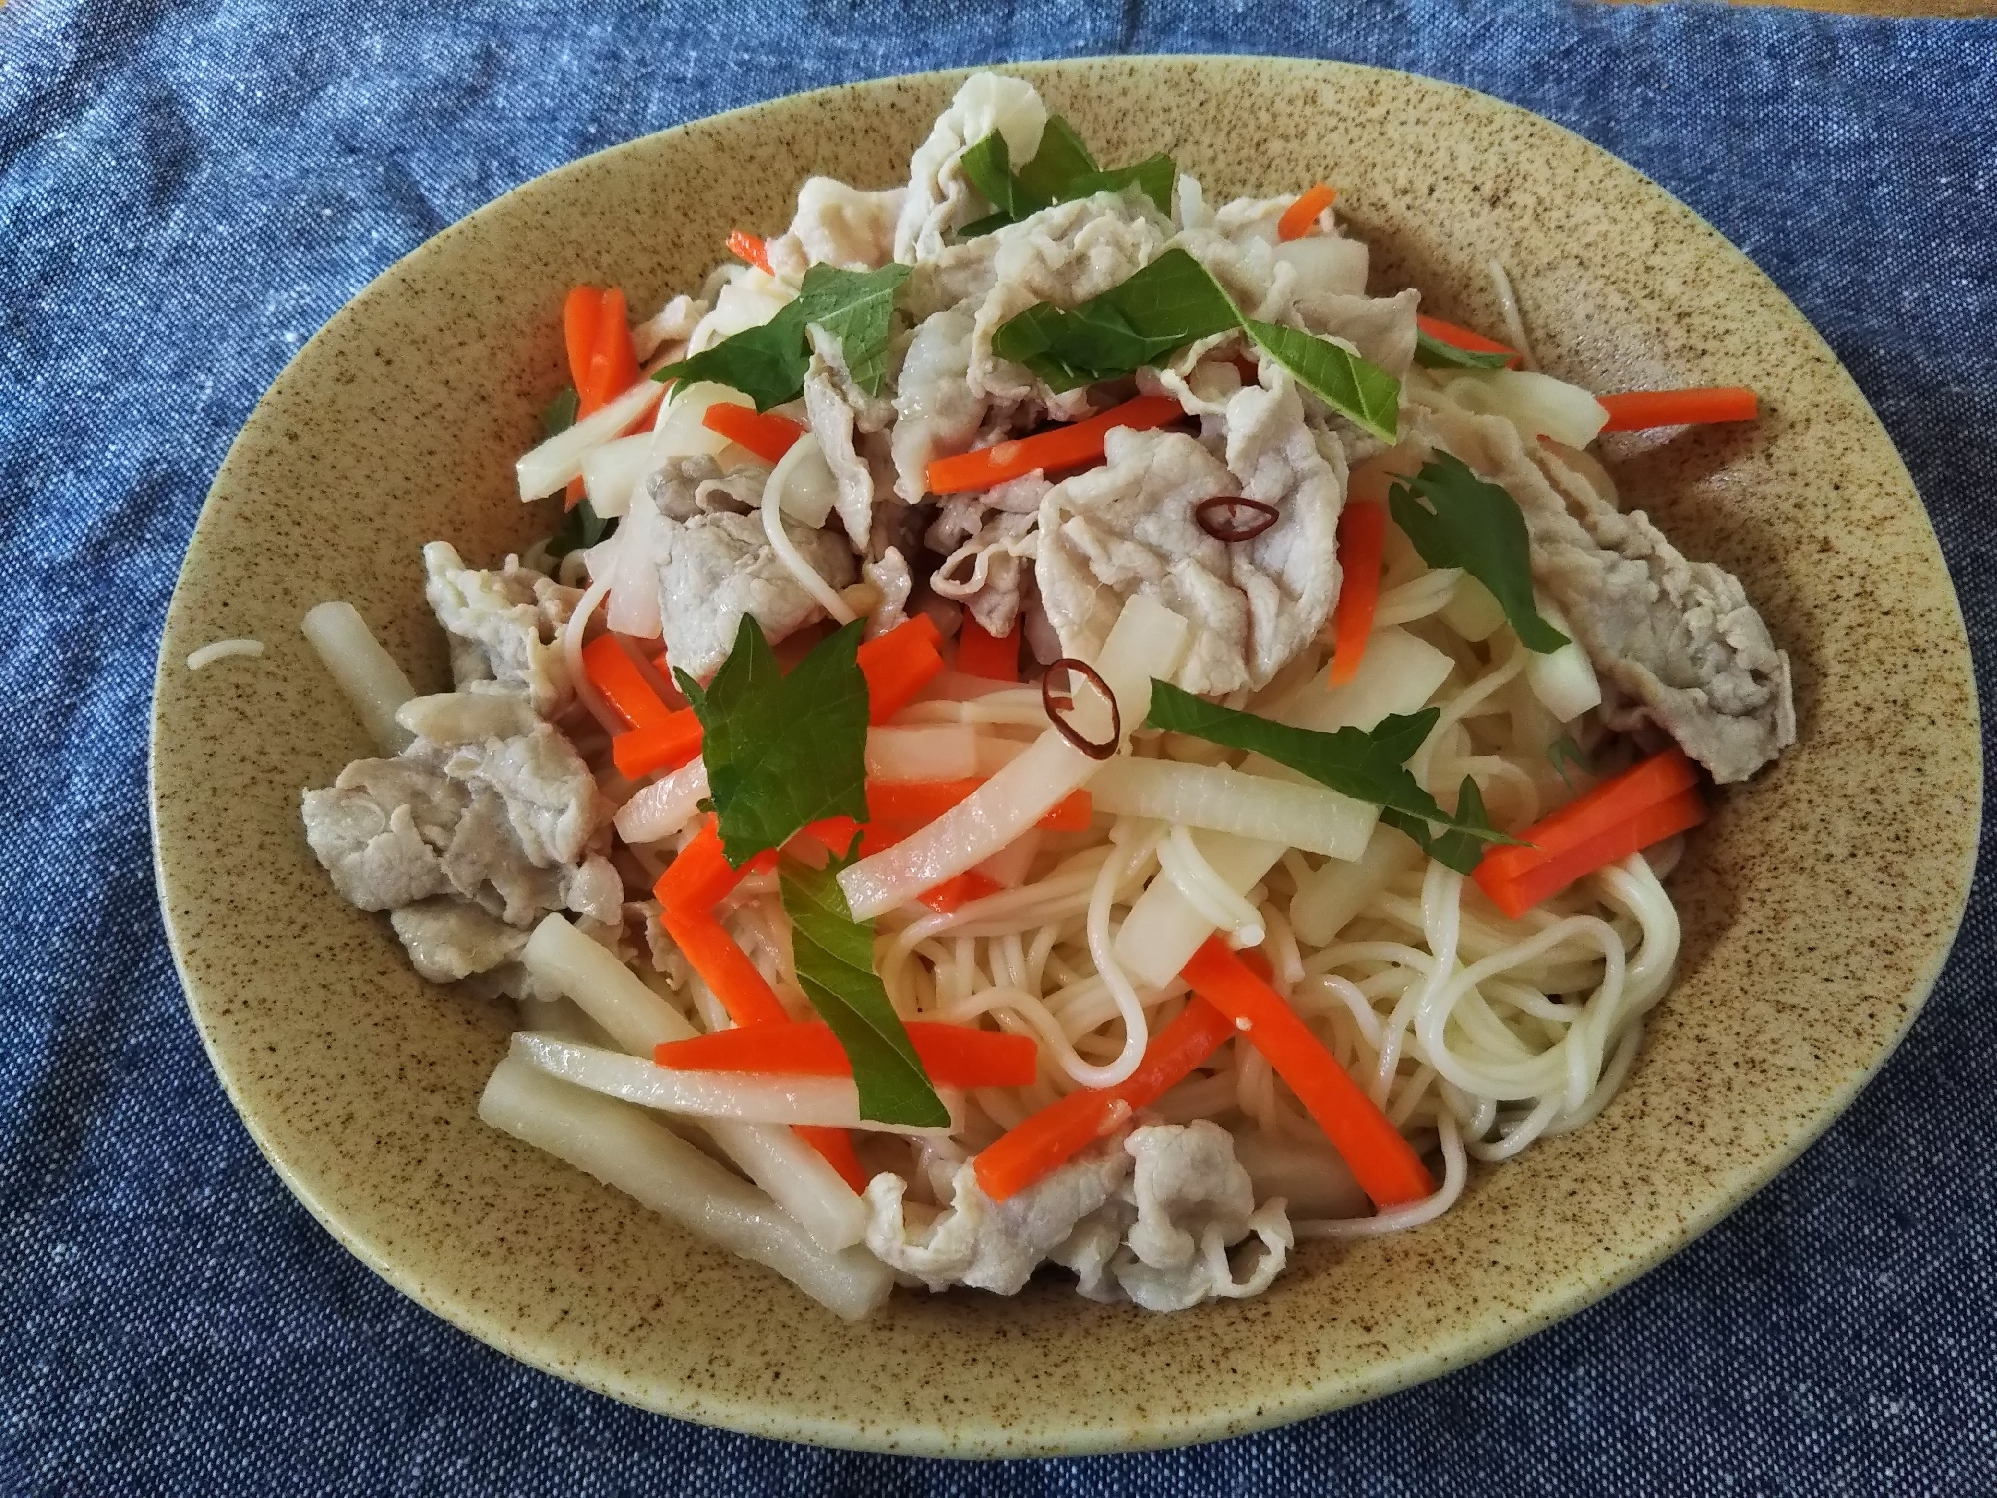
(1067, 731)
(1265, 515)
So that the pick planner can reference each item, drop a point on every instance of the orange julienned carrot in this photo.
(1382, 1161)
(897, 665)
(1301, 216)
(580, 311)
(1059, 447)
(1060, 1131)
(1362, 537)
(613, 359)
(1623, 815)
(836, 1145)
(767, 434)
(920, 801)
(958, 891)
(1652, 824)
(744, 992)
(746, 246)
(1639, 409)
(700, 874)
(994, 657)
(1594, 814)
(1464, 338)
(953, 1055)
(622, 683)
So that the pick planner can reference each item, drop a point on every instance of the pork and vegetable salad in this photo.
(1057, 729)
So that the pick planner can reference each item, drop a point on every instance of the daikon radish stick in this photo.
(365, 672)
(829, 1101)
(623, 1148)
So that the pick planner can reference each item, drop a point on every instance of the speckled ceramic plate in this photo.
(1805, 954)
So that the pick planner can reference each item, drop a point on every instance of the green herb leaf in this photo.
(768, 363)
(1477, 526)
(834, 955)
(1061, 159)
(1340, 378)
(1432, 353)
(1563, 752)
(560, 413)
(988, 165)
(782, 750)
(1174, 301)
(1060, 171)
(857, 308)
(1167, 304)
(1154, 174)
(1460, 847)
(1367, 766)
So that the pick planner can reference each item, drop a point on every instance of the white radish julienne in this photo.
(612, 472)
(803, 482)
(550, 466)
(642, 1158)
(1472, 611)
(1164, 928)
(796, 1175)
(938, 751)
(1564, 680)
(822, 1102)
(365, 672)
(1148, 640)
(1219, 799)
(1337, 892)
(1534, 403)
(662, 808)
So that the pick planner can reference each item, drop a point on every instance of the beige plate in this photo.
(1819, 903)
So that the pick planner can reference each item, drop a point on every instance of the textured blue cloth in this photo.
(187, 192)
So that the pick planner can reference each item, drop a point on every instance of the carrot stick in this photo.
(744, 992)
(765, 433)
(1519, 892)
(1059, 447)
(613, 673)
(1587, 817)
(994, 657)
(897, 665)
(580, 311)
(745, 246)
(953, 1055)
(1362, 536)
(917, 802)
(1301, 216)
(1639, 409)
(1385, 1164)
(665, 745)
(1060, 1131)
(836, 1145)
(700, 875)
(613, 359)
(959, 890)
(1464, 338)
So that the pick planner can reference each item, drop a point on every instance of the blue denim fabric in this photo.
(188, 191)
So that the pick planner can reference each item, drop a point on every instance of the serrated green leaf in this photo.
(1062, 158)
(834, 958)
(1165, 305)
(1432, 353)
(1357, 388)
(768, 363)
(1459, 847)
(1471, 523)
(857, 308)
(987, 164)
(1367, 765)
(1563, 752)
(560, 413)
(782, 751)
(1154, 175)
